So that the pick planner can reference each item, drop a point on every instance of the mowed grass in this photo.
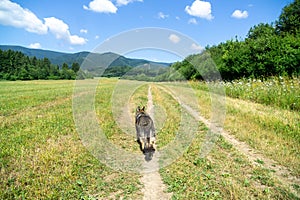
(224, 174)
(21, 96)
(272, 131)
(42, 155)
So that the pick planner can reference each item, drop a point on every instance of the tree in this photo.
(75, 67)
(289, 19)
(65, 66)
(261, 30)
(15, 65)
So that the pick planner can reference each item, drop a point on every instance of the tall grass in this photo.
(280, 91)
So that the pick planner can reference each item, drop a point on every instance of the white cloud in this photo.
(125, 2)
(174, 38)
(12, 14)
(192, 21)
(239, 14)
(61, 31)
(196, 47)
(200, 9)
(35, 45)
(76, 40)
(161, 15)
(97, 37)
(83, 31)
(178, 18)
(101, 6)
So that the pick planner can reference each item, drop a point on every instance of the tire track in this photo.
(282, 173)
(154, 188)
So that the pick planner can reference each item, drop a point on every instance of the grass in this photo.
(265, 128)
(167, 116)
(41, 153)
(224, 174)
(42, 156)
(17, 96)
(279, 92)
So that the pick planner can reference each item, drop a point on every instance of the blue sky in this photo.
(83, 25)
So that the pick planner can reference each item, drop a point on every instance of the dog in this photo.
(145, 131)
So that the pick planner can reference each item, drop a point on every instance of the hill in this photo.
(93, 62)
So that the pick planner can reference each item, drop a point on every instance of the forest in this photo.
(269, 49)
(14, 65)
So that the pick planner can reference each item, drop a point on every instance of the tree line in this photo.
(269, 49)
(14, 65)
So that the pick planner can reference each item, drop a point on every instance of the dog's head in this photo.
(140, 110)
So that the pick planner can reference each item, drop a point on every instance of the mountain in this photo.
(93, 62)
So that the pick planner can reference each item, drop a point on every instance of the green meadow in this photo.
(42, 156)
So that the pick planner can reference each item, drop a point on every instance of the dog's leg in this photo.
(142, 143)
(152, 142)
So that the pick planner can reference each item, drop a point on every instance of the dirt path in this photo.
(154, 188)
(282, 173)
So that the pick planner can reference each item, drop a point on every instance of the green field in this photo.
(43, 157)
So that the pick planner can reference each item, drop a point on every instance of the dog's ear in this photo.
(143, 109)
(138, 109)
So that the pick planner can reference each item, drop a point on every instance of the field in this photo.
(46, 153)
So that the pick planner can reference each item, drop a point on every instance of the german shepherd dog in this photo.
(145, 131)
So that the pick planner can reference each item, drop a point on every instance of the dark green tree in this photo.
(75, 67)
(289, 19)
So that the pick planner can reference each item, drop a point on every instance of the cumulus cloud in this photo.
(83, 31)
(125, 2)
(12, 14)
(161, 15)
(240, 14)
(101, 6)
(61, 31)
(192, 21)
(35, 45)
(200, 9)
(196, 47)
(106, 6)
(174, 38)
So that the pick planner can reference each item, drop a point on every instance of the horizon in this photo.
(130, 55)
